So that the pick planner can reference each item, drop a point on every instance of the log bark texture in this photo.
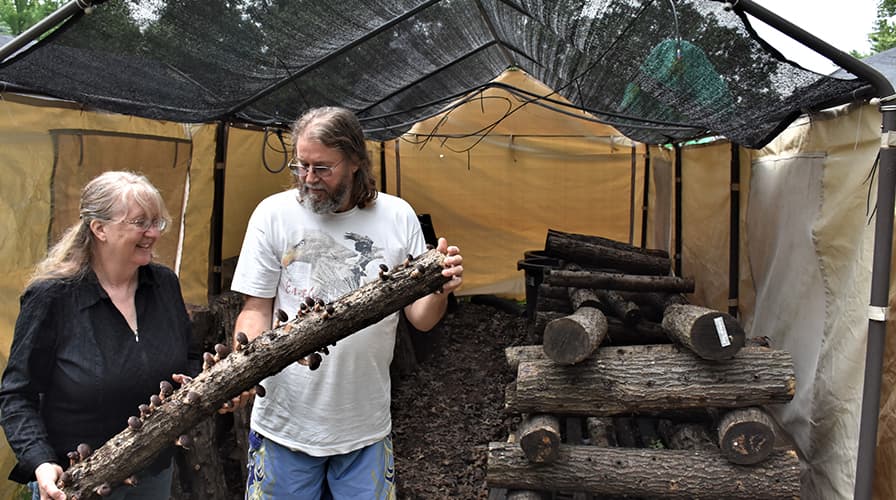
(746, 436)
(582, 297)
(626, 310)
(602, 253)
(540, 438)
(642, 473)
(642, 332)
(273, 350)
(618, 281)
(711, 334)
(600, 431)
(571, 339)
(607, 242)
(652, 378)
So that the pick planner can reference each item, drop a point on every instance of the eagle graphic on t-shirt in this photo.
(327, 267)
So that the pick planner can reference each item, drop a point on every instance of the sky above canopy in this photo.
(845, 25)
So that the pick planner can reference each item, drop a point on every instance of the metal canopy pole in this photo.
(883, 235)
(42, 26)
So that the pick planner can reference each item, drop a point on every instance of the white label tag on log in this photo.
(722, 331)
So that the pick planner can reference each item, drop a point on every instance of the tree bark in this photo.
(711, 334)
(600, 254)
(618, 281)
(746, 436)
(652, 379)
(540, 438)
(571, 339)
(687, 436)
(582, 297)
(646, 473)
(555, 292)
(269, 353)
(607, 242)
(600, 431)
(642, 332)
(626, 310)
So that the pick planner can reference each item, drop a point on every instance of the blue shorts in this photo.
(279, 473)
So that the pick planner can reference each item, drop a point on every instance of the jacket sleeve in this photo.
(25, 379)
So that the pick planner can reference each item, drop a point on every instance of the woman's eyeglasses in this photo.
(145, 224)
(299, 169)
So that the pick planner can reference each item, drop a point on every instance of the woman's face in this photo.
(131, 237)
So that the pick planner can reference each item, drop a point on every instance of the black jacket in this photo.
(76, 371)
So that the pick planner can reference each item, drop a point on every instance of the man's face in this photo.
(328, 189)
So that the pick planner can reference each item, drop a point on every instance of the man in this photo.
(325, 432)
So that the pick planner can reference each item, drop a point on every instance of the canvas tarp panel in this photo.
(496, 196)
(81, 155)
(810, 243)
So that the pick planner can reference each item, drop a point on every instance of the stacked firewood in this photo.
(632, 392)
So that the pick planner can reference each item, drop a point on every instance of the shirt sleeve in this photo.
(25, 378)
(257, 270)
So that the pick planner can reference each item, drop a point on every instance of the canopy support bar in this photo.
(44, 25)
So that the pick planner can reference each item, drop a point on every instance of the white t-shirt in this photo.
(289, 253)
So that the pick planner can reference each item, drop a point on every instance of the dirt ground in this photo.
(450, 407)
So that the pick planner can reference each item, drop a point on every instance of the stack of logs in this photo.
(634, 393)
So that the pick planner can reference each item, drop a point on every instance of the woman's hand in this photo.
(47, 474)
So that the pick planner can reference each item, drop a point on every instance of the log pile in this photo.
(629, 391)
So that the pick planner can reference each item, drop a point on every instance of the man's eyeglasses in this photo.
(145, 224)
(299, 169)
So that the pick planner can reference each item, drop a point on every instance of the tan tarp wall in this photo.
(496, 196)
(804, 237)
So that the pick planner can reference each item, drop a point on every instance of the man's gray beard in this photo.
(326, 205)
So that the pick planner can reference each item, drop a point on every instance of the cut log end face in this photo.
(717, 336)
(748, 443)
(540, 446)
(564, 339)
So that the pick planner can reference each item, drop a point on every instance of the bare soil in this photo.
(447, 410)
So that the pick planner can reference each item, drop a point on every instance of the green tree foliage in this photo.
(17, 16)
(883, 36)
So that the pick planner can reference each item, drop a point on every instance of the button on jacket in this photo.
(77, 371)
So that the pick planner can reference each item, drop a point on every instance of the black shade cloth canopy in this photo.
(659, 70)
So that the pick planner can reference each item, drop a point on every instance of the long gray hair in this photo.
(105, 198)
(339, 128)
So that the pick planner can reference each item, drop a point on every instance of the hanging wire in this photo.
(868, 210)
(677, 32)
(282, 149)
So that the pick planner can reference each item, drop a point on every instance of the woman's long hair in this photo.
(339, 128)
(105, 198)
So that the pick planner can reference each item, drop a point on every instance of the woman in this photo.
(100, 326)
